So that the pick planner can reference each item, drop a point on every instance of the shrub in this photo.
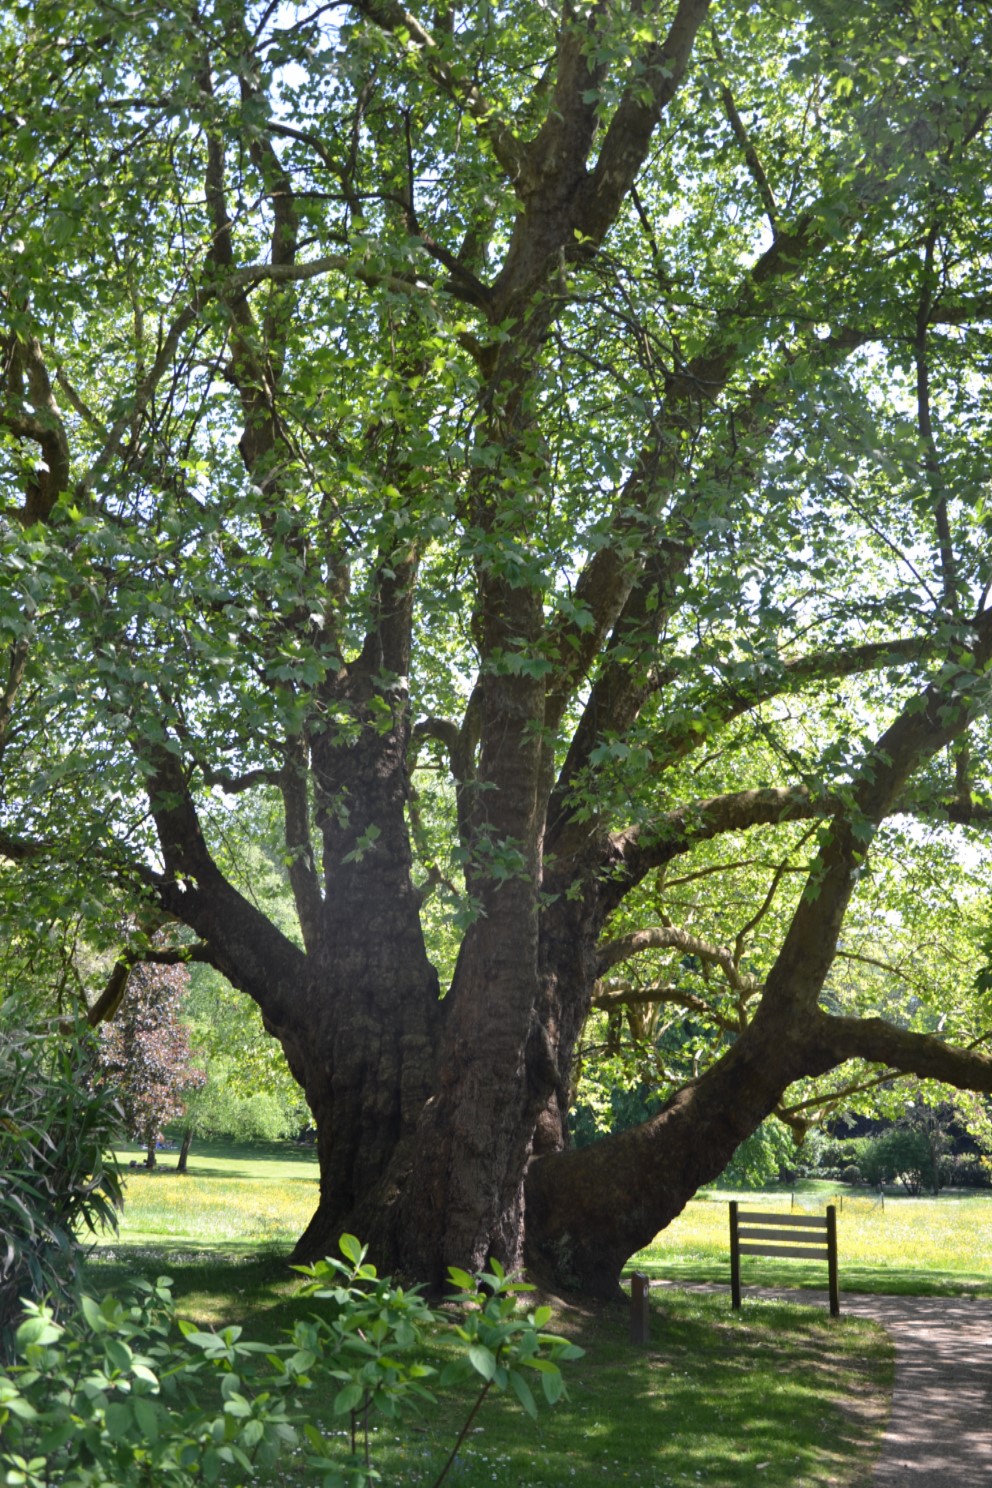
(850, 1174)
(903, 1154)
(967, 1171)
(56, 1181)
(122, 1394)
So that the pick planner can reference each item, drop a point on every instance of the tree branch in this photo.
(40, 421)
(839, 1039)
(670, 937)
(393, 18)
(747, 147)
(636, 851)
(301, 865)
(628, 138)
(606, 998)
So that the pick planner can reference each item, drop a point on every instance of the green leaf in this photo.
(483, 1360)
(348, 1399)
(352, 1249)
(523, 1393)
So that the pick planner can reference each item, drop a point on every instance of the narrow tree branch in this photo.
(747, 147)
(670, 937)
(931, 457)
(392, 17)
(609, 996)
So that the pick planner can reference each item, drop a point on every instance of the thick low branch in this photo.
(235, 785)
(635, 852)
(106, 1005)
(244, 944)
(838, 1039)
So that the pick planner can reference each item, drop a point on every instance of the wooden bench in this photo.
(795, 1236)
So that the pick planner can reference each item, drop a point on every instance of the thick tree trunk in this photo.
(464, 1205)
(589, 1210)
(184, 1150)
(371, 1014)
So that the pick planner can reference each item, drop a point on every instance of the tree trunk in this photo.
(589, 1210)
(184, 1150)
(368, 1022)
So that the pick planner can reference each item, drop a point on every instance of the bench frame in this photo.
(799, 1236)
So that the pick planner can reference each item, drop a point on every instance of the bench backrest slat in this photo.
(794, 1221)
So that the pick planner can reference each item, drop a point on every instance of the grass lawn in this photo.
(780, 1396)
(924, 1247)
(243, 1200)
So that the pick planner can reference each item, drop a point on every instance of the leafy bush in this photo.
(760, 1158)
(56, 1127)
(122, 1394)
(903, 1154)
(851, 1174)
(967, 1171)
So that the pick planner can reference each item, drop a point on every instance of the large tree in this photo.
(587, 400)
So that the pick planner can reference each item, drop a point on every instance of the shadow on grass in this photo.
(893, 1281)
(216, 1285)
(258, 1161)
(779, 1396)
(725, 1400)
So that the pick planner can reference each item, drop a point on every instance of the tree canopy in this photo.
(538, 453)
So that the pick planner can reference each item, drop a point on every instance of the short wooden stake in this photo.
(640, 1319)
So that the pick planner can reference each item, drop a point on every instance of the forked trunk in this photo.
(589, 1210)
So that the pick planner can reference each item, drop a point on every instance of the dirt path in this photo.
(940, 1431)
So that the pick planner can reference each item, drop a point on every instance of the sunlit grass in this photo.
(780, 1396)
(238, 1199)
(928, 1247)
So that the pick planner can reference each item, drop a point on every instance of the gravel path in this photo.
(940, 1430)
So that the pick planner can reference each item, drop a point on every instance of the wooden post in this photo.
(832, 1261)
(735, 1258)
(640, 1320)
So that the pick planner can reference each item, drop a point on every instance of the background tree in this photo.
(589, 404)
(146, 1053)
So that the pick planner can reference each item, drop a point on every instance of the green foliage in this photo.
(902, 1154)
(123, 1393)
(57, 1175)
(248, 1092)
(760, 1157)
